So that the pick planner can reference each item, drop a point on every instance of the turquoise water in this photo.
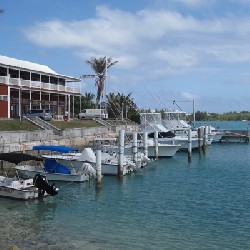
(171, 204)
(235, 125)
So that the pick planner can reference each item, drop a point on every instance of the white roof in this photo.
(4, 60)
(26, 65)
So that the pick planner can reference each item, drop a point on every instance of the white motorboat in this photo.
(87, 157)
(24, 189)
(164, 149)
(55, 171)
(18, 188)
(71, 176)
(167, 130)
(175, 121)
(110, 149)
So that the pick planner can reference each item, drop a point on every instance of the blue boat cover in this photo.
(52, 166)
(60, 149)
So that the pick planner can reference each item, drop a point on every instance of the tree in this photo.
(86, 102)
(100, 66)
(120, 105)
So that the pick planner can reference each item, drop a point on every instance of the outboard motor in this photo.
(40, 182)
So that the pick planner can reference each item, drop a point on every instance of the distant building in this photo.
(25, 85)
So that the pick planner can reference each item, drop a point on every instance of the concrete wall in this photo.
(77, 137)
(25, 136)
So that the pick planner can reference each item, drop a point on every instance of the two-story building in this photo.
(25, 85)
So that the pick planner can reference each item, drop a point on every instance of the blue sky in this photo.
(167, 50)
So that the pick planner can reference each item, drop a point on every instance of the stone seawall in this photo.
(21, 141)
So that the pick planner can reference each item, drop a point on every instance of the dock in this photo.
(235, 136)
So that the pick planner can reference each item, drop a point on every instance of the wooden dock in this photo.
(236, 136)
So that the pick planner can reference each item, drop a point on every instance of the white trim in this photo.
(9, 102)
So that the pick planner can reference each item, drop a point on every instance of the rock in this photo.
(14, 247)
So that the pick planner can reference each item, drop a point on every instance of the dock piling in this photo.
(145, 143)
(156, 146)
(121, 152)
(98, 168)
(189, 145)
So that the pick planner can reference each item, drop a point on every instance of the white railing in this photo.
(25, 83)
(38, 84)
(45, 85)
(53, 87)
(73, 90)
(3, 79)
(14, 81)
(61, 88)
(35, 84)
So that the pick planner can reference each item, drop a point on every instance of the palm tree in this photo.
(87, 100)
(100, 66)
(119, 104)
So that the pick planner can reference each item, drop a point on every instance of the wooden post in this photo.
(121, 153)
(189, 145)
(98, 168)
(156, 146)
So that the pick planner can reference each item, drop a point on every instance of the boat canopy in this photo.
(52, 166)
(60, 149)
(168, 134)
(16, 158)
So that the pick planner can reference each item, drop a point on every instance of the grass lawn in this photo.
(16, 124)
(75, 124)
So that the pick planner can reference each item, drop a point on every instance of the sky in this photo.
(167, 50)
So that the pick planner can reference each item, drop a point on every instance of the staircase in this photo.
(43, 124)
(102, 122)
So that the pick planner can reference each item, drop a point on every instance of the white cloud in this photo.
(194, 3)
(151, 44)
(188, 96)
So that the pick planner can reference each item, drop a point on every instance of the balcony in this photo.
(38, 85)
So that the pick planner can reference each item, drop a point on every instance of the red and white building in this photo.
(25, 85)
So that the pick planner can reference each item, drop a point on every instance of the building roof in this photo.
(8, 61)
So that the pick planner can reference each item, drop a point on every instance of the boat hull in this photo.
(109, 165)
(163, 150)
(28, 171)
(24, 194)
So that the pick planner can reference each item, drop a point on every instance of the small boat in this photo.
(56, 170)
(88, 158)
(24, 189)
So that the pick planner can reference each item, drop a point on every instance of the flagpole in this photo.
(105, 85)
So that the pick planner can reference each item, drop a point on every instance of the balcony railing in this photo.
(38, 84)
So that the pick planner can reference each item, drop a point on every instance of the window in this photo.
(3, 98)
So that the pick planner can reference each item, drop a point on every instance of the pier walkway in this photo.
(236, 136)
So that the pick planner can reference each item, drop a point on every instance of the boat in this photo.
(24, 189)
(170, 129)
(75, 160)
(164, 149)
(54, 170)
(110, 153)
(175, 120)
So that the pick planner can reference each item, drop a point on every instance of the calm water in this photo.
(171, 204)
(236, 125)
